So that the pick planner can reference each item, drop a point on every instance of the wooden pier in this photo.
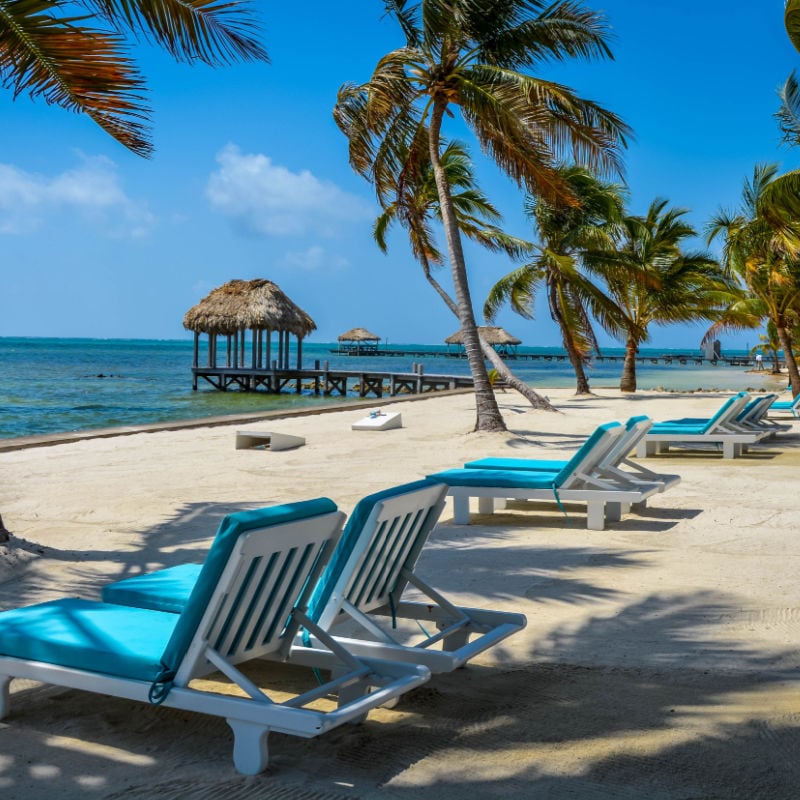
(328, 382)
(666, 358)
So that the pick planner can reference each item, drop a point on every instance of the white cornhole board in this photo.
(381, 422)
(267, 441)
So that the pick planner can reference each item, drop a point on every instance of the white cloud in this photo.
(266, 199)
(92, 189)
(314, 258)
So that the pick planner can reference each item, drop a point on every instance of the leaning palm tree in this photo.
(756, 253)
(653, 281)
(567, 231)
(75, 54)
(474, 56)
(416, 203)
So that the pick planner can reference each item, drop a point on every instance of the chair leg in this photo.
(729, 449)
(613, 512)
(352, 691)
(250, 748)
(461, 509)
(456, 640)
(595, 516)
(5, 695)
(486, 505)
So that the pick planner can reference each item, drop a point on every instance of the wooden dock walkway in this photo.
(323, 381)
(665, 358)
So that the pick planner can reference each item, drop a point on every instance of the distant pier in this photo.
(666, 358)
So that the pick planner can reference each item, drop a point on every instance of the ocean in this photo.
(59, 385)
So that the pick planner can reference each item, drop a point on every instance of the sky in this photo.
(250, 176)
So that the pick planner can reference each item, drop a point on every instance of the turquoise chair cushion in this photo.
(91, 636)
(347, 543)
(166, 590)
(562, 469)
(527, 464)
(786, 405)
(702, 423)
(676, 428)
(502, 478)
(598, 433)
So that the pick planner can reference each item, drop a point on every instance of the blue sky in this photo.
(250, 176)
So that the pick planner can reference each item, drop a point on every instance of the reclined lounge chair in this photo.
(247, 602)
(787, 406)
(720, 429)
(609, 466)
(363, 583)
(576, 481)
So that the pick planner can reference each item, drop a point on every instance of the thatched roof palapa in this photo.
(491, 334)
(238, 305)
(359, 335)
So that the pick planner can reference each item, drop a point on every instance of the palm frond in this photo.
(216, 32)
(76, 67)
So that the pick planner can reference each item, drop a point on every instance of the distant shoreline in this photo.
(70, 437)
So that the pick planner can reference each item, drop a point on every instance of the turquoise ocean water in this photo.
(56, 385)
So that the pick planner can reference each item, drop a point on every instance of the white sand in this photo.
(660, 659)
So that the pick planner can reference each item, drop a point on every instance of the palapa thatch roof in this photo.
(242, 305)
(492, 334)
(359, 335)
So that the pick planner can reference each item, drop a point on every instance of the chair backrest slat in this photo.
(590, 454)
(378, 574)
(385, 534)
(726, 412)
(247, 611)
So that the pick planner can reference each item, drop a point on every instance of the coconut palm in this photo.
(76, 54)
(653, 281)
(755, 252)
(475, 57)
(416, 204)
(566, 231)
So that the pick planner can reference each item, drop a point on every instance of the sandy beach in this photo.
(661, 657)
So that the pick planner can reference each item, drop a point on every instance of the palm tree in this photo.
(469, 55)
(652, 280)
(756, 253)
(566, 231)
(75, 54)
(416, 202)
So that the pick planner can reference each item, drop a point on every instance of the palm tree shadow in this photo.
(183, 537)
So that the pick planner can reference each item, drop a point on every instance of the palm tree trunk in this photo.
(628, 381)
(785, 338)
(535, 399)
(488, 417)
(575, 358)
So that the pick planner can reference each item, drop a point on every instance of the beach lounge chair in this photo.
(373, 564)
(609, 466)
(719, 429)
(754, 416)
(577, 481)
(787, 406)
(248, 602)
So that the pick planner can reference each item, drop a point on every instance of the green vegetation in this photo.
(77, 54)
(475, 58)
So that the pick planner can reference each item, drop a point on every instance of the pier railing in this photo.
(325, 381)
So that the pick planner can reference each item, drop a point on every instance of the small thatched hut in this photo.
(500, 339)
(358, 341)
(259, 306)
